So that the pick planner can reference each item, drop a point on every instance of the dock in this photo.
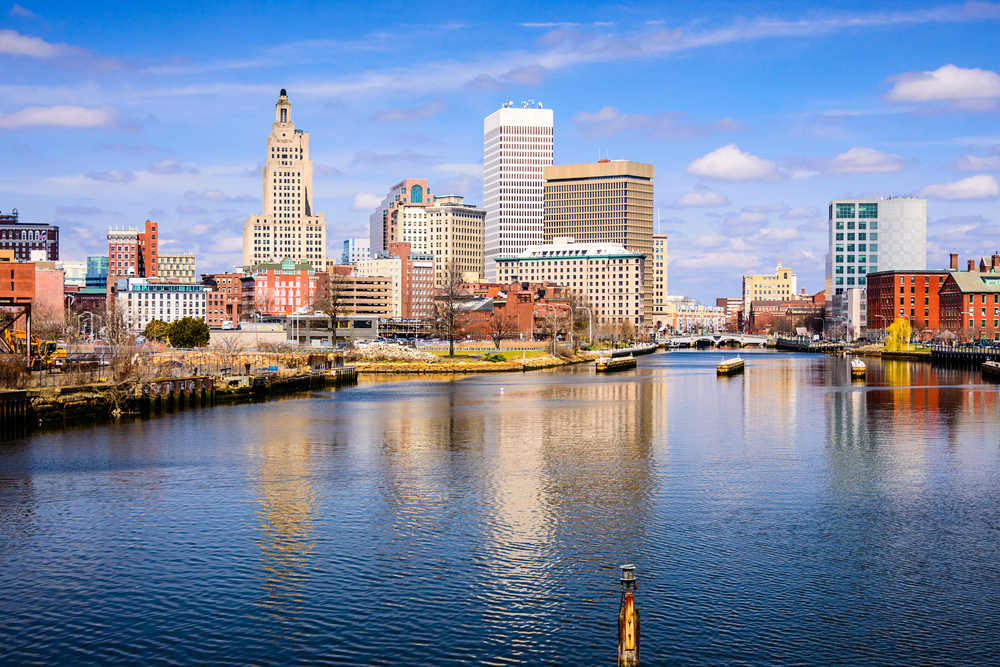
(730, 366)
(612, 364)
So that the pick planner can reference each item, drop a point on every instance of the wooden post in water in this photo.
(628, 620)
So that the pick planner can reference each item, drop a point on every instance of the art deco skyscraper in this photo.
(517, 143)
(288, 226)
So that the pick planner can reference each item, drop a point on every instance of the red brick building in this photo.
(282, 288)
(911, 295)
(970, 303)
(224, 301)
(132, 253)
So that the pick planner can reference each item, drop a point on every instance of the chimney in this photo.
(954, 261)
(972, 266)
(995, 261)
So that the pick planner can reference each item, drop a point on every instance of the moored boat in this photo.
(611, 364)
(991, 369)
(858, 369)
(730, 366)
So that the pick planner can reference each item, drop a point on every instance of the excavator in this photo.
(43, 352)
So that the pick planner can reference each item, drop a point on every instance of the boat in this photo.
(730, 366)
(612, 364)
(858, 369)
(991, 369)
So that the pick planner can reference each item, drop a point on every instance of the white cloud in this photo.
(19, 11)
(858, 160)
(14, 43)
(973, 187)
(112, 176)
(702, 199)
(800, 213)
(228, 244)
(365, 201)
(214, 195)
(403, 115)
(170, 166)
(460, 168)
(973, 89)
(187, 209)
(729, 163)
(608, 121)
(66, 116)
(976, 163)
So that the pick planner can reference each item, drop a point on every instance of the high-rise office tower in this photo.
(456, 240)
(288, 226)
(604, 201)
(517, 143)
(869, 235)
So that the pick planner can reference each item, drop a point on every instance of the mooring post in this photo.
(628, 620)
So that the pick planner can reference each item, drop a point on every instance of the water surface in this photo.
(782, 517)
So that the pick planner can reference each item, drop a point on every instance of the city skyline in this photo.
(753, 121)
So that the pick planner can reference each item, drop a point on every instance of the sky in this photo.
(755, 115)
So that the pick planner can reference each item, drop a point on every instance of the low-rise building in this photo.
(856, 312)
(224, 300)
(178, 267)
(284, 287)
(603, 276)
(142, 300)
(911, 295)
(970, 300)
(778, 286)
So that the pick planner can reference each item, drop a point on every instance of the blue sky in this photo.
(755, 115)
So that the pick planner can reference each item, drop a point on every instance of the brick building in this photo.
(970, 300)
(912, 295)
(282, 288)
(132, 253)
(411, 278)
(22, 237)
(224, 300)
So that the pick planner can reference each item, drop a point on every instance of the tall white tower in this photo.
(517, 143)
(288, 226)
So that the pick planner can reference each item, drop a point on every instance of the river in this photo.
(781, 517)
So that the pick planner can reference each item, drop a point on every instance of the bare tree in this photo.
(451, 312)
(336, 301)
(500, 326)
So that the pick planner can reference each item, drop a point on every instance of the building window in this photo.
(845, 210)
(868, 210)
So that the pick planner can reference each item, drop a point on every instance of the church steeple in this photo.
(283, 109)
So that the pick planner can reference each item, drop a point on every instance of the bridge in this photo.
(716, 339)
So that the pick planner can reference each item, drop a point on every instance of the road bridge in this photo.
(716, 339)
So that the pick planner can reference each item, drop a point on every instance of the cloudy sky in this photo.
(755, 115)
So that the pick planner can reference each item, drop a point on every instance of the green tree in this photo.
(156, 330)
(188, 332)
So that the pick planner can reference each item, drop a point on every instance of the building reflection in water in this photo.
(285, 525)
(770, 401)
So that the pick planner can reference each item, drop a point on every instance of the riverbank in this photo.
(461, 366)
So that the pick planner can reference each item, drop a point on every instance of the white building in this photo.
(401, 217)
(517, 143)
(76, 273)
(355, 250)
(288, 226)
(605, 276)
(142, 301)
(659, 260)
(855, 312)
(869, 235)
(455, 236)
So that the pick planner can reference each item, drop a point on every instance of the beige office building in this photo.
(606, 277)
(659, 285)
(778, 286)
(177, 267)
(455, 232)
(603, 202)
(288, 226)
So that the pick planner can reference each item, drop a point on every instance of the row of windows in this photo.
(861, 237)
(861, 225)
(864, 210)
(860, 259)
